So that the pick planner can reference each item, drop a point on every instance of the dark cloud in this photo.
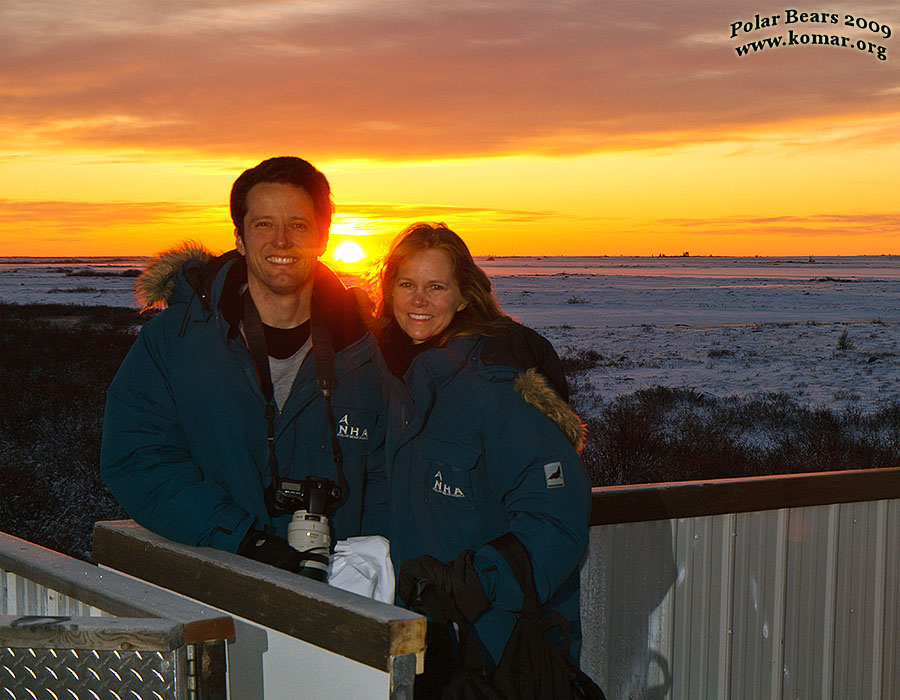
(411, 79)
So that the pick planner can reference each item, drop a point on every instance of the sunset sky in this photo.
(531, 128)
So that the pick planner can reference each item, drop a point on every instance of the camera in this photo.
(313, 502)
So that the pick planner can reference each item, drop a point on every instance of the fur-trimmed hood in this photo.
(534, 388)
(189, 272)
(156, 284)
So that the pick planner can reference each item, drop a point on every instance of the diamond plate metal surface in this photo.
(83, 674)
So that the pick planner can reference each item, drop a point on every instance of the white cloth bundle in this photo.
(362, 565)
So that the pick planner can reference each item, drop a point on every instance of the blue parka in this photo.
(471, 455)
(185, 434)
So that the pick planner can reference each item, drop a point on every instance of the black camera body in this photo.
(314, 495)
(313, 502)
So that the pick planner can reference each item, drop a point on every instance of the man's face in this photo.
(281, 239)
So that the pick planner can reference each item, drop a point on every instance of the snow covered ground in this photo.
(824, 331)
(827, 332)
(89, 281)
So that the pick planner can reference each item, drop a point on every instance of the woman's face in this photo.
(425, 295)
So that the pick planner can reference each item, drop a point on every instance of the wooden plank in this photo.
(101, 633)
(108, 591)
(355, 627)
(689, 499)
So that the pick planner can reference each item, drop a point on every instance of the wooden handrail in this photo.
(347, 624)
(98, 633)
(183, 622)
(688, 499)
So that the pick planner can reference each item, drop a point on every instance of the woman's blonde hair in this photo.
(481, 315)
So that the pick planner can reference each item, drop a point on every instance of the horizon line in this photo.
(507, 256)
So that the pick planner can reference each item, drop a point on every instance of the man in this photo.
(258, 381)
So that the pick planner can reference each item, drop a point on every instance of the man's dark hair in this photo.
(288, 170)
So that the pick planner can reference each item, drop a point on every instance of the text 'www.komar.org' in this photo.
(796, 37)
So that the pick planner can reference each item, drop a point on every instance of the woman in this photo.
(470, 451)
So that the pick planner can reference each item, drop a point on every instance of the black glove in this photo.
(270, 549)
(445, 591)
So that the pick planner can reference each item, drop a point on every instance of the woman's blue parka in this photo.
(472, 454)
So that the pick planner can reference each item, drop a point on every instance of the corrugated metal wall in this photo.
(792, 603)
(19, 596)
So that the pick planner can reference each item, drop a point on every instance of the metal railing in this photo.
(295, 637)
(765, 587)
(68, 626)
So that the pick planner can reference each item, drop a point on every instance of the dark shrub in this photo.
(57, 362)
(666, 434)
(581, 361)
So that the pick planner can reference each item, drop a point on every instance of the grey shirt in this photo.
(284, 371)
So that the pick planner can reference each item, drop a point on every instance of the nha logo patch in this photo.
(446, 489)
(352, 432)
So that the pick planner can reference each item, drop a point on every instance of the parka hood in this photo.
(534, 388)
(505, 361)
(155, 286)
(190, 271)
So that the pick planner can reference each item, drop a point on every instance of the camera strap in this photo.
(256, 342)
(326, 380)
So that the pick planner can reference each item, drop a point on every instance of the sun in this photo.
(348, 252)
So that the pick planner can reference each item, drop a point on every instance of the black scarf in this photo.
(399, 350)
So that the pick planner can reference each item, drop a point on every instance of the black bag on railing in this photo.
(530, 666)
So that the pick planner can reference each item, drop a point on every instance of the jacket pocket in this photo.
(449, 478)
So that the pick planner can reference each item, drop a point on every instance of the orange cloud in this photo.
(420, 212)
(413, 80)
(108, 228)
(885, 226)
